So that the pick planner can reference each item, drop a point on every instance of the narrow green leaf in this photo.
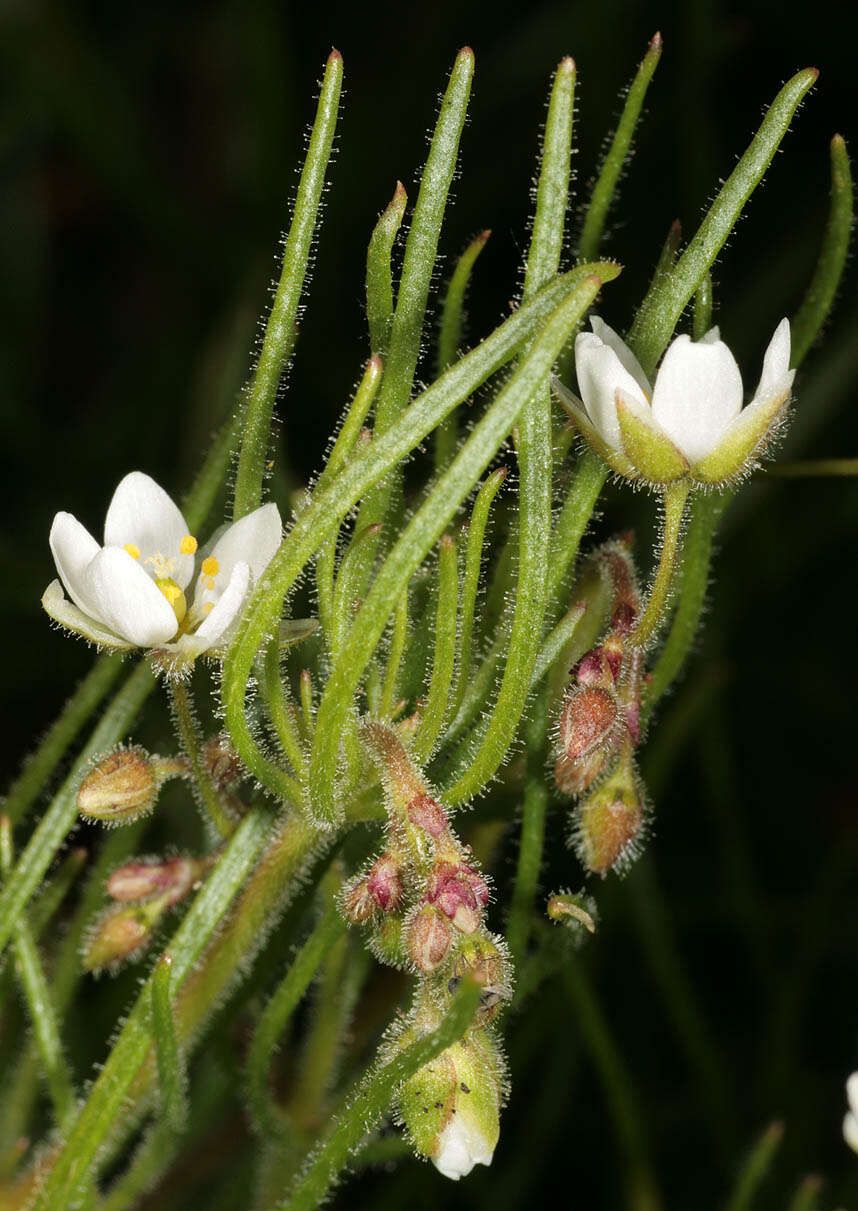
(756, 1168)
(172, 1079)
(398, 640)
(444, 657)
(817, 303)
(667, 298)
(279, 329)
(617, 154)
(379, 274)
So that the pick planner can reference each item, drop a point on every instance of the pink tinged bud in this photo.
(460, 893)
(587, 719)
(610, 823)
(429, 939)
(384, 884)
(573, 777)
(623, 618)
(173, 879)
(423, 811)
(612, 651)
(121, 787)
(593, 668)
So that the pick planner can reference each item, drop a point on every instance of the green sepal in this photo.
(66, 613)
(570, 404)
(735, 452)
(653, 454)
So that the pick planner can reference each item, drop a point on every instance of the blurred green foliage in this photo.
(148, 156)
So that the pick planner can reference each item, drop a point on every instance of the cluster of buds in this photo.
(598, 729)
(423, 899)
(124, 784)
(142, 891)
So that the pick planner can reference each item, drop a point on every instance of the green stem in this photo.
(575, 514)
(278, 710)
(324, 514)
(449, 340)
(668, 297)
(39, 766)
(675, 497)
(755, 1169)
(471, 579)
(702, 308)
(172, 1079)
(379, 275)
(531, 837)
(372, 1099)
(43, 1015)
(207, 793)
(107, 1097)
(617, 154)
(54, 826)
(278, 339)
(444, 658)
(267, 1116)
(352, 573)
(819, 298)
(706, 512)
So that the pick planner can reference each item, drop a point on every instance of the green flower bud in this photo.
(451, 1106)
(121, 934)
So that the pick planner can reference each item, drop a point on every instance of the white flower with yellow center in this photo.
(130, 592)
(850, 1122)
(690, 424)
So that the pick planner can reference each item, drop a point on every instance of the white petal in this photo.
(142, 513)
(775, 360)
(252, 540)
(628, 360)
(215, 627)
(698, 391)
(74, 549)
(461, 1146)
(600, 374)
(852, 1092)
(128, 601)
(69, 616)
(850, 1131)
(713, 335)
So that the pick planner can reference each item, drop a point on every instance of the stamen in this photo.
(132, 549)
(188, 545)
(210, 567)
(175, 596)
(208, 607)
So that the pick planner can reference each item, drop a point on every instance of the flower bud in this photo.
(610, 822)
(588, 718)
(121, 787)
(573, 777)
(451, 1106)
(577, 912)
(358, 906)
(482, 959)
(423, 811)
(384, 883)
(429, 939)
(460, 892)
(120, 934)
(172, 878)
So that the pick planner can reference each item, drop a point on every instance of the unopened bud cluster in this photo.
(142, 891)
(598, 730)
(423, 899)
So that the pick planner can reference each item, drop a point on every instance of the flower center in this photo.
(174, 595)
(162, 573)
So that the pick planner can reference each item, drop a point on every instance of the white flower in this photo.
(130, 592)
(691, 423)
(462, 1144)
(850, 1122)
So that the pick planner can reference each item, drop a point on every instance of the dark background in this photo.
(148, 154)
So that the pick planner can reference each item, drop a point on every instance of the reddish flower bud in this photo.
(460, 893)
(588, 717)
(429, 939)
(384, 884)
(573, 777)
(358, 905)
(423, 811)
(623, 618)
(121, 933)
(173, 878)
(121, 787)
(593, 669)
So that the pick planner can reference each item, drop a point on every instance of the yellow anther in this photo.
(188, 545)
(175, 596)
(210, 583)
(133, 550)
(208, 607)
(210, 567)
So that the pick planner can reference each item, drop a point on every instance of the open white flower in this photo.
(130, 592)
(462, 1144)
(850, 1122)
(691, 423)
